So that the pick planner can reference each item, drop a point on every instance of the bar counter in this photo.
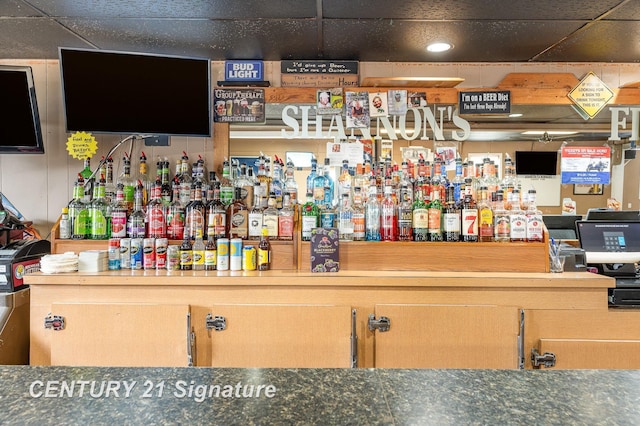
(203, 396)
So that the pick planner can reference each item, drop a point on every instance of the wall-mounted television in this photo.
(536, 162)
(20, 131)
(135, 93)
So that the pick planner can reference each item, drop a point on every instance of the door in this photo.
(447, 336)
(294, 336)
(122, 335)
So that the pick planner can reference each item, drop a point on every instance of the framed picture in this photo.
(587, 189)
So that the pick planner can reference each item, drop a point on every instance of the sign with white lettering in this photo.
(238, 105)
(243, 70)
(591, 95)
(303, 73)
(586, 164)
(493, 102)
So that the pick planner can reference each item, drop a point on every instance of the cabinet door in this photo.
(127, 335)
(282, 336)
(445, 336)
(592, 339)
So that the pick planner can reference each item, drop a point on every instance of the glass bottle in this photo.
(265, 181)
(165, 192)
(277, 184)
(195, 214)
(329, 185)
(109, 185)
(451, 219)
(388, 217)
(216, 214)
(372, 215)
(264, 251)
(128, 184)
(469, 219)
(100, 213)
(420, 213)
(186, 254)
(502, 227)
(344, 180)
(175, 216)
(517, 219)
(119, 214)
(238, 217)
(485, 217)
(143, 176)
(358, 218)
(156, 213)
(185, 180)
(458, 182)
(319, 185)
(246, 186)
(64, 227)
(210, 254)
(290, 184)
(86, 170)
(435, 216)
(198, 251)
(136, 224)
(79, 212)
(535, 228)
(345, 219)
(255, 215)
(270, 217)
(405, 215)
(285, 219)
(310, 217)
(312, 175)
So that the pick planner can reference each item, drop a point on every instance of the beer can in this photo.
(235, 254)
(149, 253)
(114, 253)
(249, 261)
(125, 253)
(173, 257)
(161, 252)
(136, 253)
(223, 254)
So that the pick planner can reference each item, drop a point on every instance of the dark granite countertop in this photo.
(167, 396)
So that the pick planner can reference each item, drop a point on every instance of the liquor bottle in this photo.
(210, 254)
(175, 217)
(469, 219)
(277, 185)
(246, 186)
(405, 215)
(255, 215)
(109, 185)
(216, 214)
(486, 224)
(509, 181)
(451, 219)
(458, 182)
(264, 251)
(99, 214)
(358, 218)
(435, 216)
(517, 219)
(420, 213)
(79, 212)
(265, 181)
(310, 217)
(185, 180)
(270, 217)
(319, 184)
(128, 184)
(372, 215)
(312, 175)
(406, 183)
(286, 219)
(502, 227)
(198, 250)
(64, 226)
(345, 219)
(344, 180)
(136, 223)
(195, 214)
(238, 217)
(86, 170)
(165, 192)
(143, 176)
(156, 213)
(360, 180)
(119, 213)
(290, 184)
(328, 217)
(535, 229)
(388, 217)
(329, 185)
(186, 254)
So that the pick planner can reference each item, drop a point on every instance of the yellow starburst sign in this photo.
(82, 145)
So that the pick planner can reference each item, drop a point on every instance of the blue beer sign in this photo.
(244, 70)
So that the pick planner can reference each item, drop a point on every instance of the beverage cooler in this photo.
(17, 258)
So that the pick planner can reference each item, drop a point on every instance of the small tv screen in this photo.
(135, 93)
(536, 162)
(20, 131)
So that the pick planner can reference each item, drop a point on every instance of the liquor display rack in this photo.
(387, 256)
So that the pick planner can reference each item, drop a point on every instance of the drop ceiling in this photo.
(519, 31)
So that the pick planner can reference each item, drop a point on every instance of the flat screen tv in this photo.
(536, 162)
(135, 93)
(20, 131)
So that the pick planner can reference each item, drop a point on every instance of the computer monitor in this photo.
(608, 214)
(561, 226)
(607, 241)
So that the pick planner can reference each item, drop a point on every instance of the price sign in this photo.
(82, 145)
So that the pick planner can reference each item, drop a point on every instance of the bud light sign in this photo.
(243, 70)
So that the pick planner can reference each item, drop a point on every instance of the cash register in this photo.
(613, 247)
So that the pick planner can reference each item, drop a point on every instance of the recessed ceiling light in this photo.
(439, 47)
(515, 115)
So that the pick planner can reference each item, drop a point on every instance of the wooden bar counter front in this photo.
(353, 318)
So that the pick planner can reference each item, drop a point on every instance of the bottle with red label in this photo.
(175, 216)
(156, 220)
(388, 217)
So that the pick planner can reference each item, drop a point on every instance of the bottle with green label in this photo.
(100, 213)
(79, 212)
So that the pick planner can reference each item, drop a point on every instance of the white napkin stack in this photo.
(59, 263)
(93, 261)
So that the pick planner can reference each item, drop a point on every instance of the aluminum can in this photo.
(249, 258)
(125, 253)
(223, 254)
(149, 253)
(173, 257)
(114, 253)
(235, 254)
(161, 252)
(136, 253)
